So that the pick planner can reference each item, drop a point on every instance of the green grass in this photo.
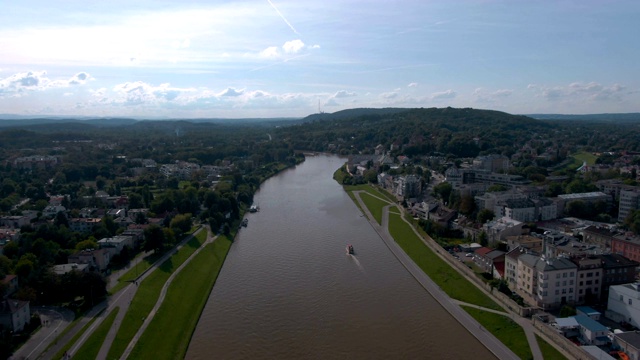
(73, 340)
(580, 157)
(136, 270)
(148, 294)
(449, 280)
(505, 329)
(374, 205)
(548, 351)
(168, 335)
(91, 347)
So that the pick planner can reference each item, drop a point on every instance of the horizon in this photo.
(284, 59)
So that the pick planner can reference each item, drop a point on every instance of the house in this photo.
(511, 267)
(52, 210)
(629, 342)
(116, 244)
(14, 314)
(589, 311)
(62, 269)
(568, 326)
(84, 225)
(14, 221)
(490, 261)
(591, 331)
(588, 198)
(601, 236)
(97, 259)
(526, 242)
(10, 283)
(499, 229)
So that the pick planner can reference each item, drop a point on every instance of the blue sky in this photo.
(283, 58)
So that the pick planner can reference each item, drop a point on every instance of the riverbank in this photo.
(452, 282)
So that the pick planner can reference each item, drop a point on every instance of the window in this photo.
(564, 283)
(581, 276)
(570, 290)
(564, 291)
(621, 298)
(557, 283)
(558, 276)
(564, 275)
(581, 283)
(630, 301)
(589, 274)
(571, 274)
(557, 292)
(570, 282)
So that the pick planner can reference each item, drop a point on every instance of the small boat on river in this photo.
(350, 249)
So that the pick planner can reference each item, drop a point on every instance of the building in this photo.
(458, 177)
(616, 270)
(489, 200)
(490, 261)
(629, 342)
(598, 235)
(97, 259)
(623, 303)
(10, 282)
(499, 229)
(589, 279)
(62, 269)
(589, 198)
(494, 163)
(629, 201)
(408, 186)
(116, 244)
(546, 283)
(591, 331)
(84, 225)
(627, 245)
(525, 242)
(14, 314)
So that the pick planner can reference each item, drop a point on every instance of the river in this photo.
(288, 290)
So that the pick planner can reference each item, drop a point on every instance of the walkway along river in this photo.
(288, 290)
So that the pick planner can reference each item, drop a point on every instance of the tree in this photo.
(443, 191)
(181, 223)
(485, 215)
(154, 238)
(483, 238)
(87, 244)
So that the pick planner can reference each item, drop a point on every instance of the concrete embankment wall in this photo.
(567, 346)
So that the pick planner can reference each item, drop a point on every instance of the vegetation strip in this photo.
(548, 351)
(73, 340)
(449, 280)
(168, 335)
(506, 330)
(91, 347)
(375, 206)
(147, 295)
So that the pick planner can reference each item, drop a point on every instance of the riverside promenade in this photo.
(474, 327)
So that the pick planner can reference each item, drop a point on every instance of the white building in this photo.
(624, 303)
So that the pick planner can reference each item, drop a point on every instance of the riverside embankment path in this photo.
(475, 328)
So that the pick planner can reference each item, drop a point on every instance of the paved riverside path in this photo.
(484, 336)
(155, 309)
(122, 300)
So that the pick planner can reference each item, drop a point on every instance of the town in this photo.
(550, 222)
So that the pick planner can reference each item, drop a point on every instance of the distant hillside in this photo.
(625, 117)
(35, 123)
(352, 113)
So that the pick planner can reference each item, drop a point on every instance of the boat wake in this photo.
(357, 262)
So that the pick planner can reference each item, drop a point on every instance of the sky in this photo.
(284, 58)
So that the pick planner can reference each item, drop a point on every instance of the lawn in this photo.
(148, 294)
(169, 333)
(73, 340)
(136, 270)
(91, 347)
(580, 157)
(548, 351)
(449, 280)
(374, 205)
(505, 329)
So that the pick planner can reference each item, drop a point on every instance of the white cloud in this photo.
(448, 94)
(331, 102)
(389, 95)
(22, 83)
(344, 94)
(232, 92)
(486, 96)
(580, 92)
(413, 84)
(293, 46)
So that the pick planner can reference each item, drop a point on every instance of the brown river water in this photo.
(289, 290)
